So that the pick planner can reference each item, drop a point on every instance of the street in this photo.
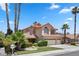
(76, 53)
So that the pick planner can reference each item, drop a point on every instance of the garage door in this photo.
(53, 42)
(58, 41)
(50, 42)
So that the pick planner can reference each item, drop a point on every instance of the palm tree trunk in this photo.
(17, 25)
(15, 17)
(75, 28)
(64, 35)
(7, 15)
(9, 31)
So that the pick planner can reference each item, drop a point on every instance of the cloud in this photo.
(70, 19)
(2, 5)
(66, 22)
(54, 6)
(66, 10)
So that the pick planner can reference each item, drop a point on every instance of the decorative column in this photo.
(42, 32)
(49, 32)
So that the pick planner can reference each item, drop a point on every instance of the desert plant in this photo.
(7, 42)
(21, 41)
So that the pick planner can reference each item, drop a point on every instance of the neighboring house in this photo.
(46, 32)
(70, 38)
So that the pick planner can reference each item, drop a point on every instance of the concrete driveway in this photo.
(64, 46)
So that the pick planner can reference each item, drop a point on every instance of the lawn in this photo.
(40, 49)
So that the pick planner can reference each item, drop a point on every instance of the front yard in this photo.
(39, 49)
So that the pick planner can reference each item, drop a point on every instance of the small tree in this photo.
(19, 38)
(65, 27)
(7, 42)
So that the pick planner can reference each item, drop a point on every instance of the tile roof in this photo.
(29, 36)
(53, 37)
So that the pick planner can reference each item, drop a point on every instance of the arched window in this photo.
(46, 30)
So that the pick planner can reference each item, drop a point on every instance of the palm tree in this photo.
(18, 15)
(75, 10)
(65, 27)
(9, 31)
(15, 10)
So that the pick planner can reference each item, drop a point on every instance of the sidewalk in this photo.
(66, 49)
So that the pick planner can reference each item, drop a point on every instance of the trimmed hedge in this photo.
(42, 43)
(73, 43)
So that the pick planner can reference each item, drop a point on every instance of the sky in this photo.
(56, 14)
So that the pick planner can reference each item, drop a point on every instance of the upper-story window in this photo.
(46, 30)
(52, 31)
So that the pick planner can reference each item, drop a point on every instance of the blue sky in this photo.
(54, 13)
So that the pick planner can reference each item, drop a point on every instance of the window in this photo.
(46, 30)
(52, 31)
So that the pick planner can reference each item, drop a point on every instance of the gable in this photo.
(27, 29)
(49, 26)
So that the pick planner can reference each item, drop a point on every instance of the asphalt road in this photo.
(76, 53)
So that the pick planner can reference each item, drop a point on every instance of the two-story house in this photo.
(46, 32)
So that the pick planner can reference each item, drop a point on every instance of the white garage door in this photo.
(53, 42)
(58, 41)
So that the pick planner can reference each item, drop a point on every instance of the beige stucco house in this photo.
(46, 32)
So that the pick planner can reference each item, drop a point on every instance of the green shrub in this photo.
(23, 45)
(62, 42)
(35, 44)
(73, 43)
(42, 43)
(28, 44)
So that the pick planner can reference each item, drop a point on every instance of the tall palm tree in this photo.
(65, 27)
(9, 31)
(75, 10)
(18, 15)
(15, 20)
